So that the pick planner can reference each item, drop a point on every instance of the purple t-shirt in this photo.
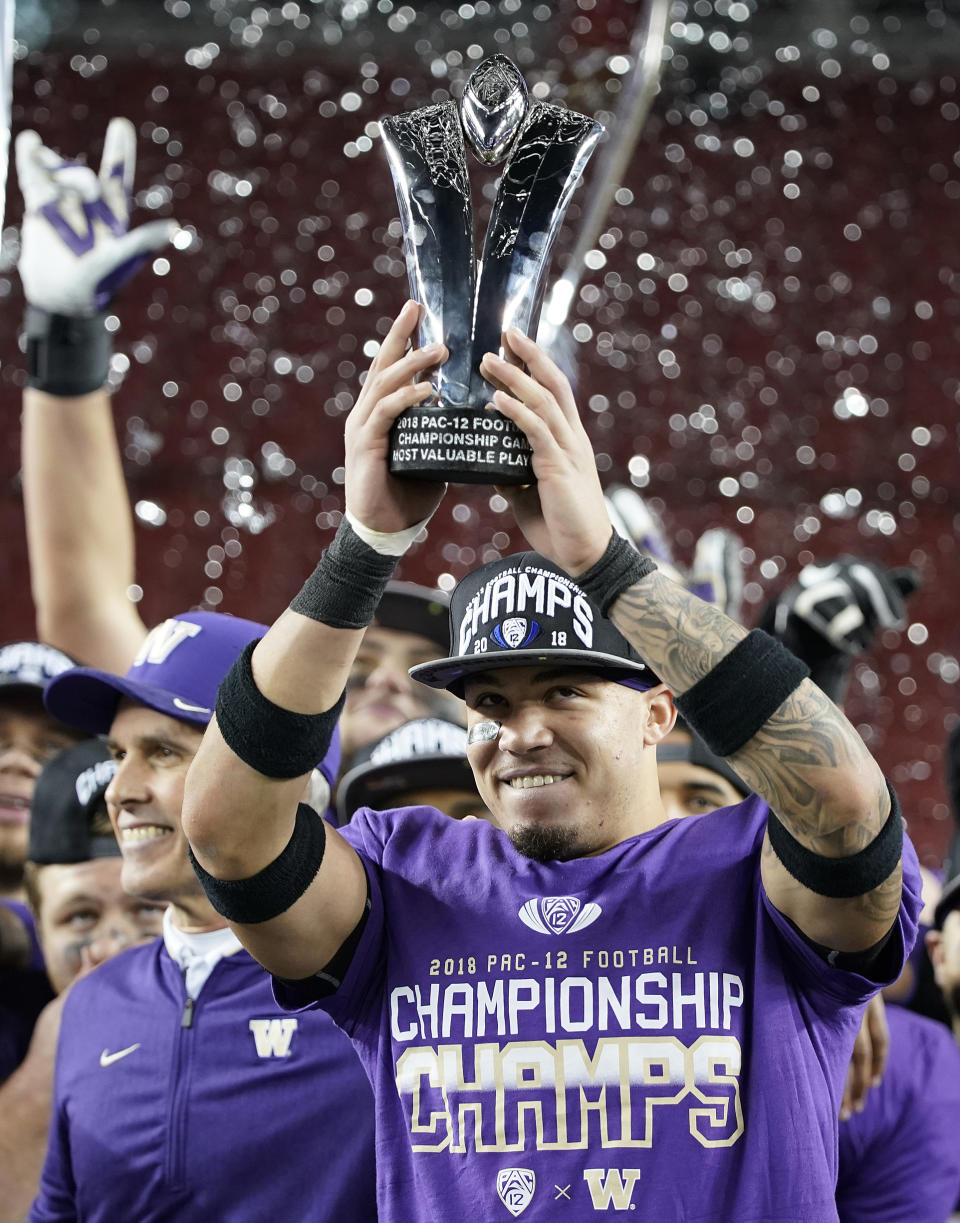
(640, 1028)
(24, 992)
(900, 1157)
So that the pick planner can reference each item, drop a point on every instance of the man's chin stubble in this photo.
(546, 844)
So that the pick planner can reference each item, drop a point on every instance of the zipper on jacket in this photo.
(180, 1094)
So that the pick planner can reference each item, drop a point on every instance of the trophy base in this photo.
(459, 445)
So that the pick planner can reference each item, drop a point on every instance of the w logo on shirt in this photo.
(611, 1187)
(558, 914)
(273, 1036)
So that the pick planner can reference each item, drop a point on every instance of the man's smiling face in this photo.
(145, 797)
(572, 770)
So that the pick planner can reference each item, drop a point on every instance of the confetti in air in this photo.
(763, 336)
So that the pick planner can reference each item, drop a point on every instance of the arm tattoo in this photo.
(680, 635)
(803, 758)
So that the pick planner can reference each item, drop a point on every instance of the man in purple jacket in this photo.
(182, 1092)
(576, 1007)
(73, 881)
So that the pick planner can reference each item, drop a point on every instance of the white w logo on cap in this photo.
(164, 639)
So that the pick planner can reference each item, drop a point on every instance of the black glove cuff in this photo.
(344, 590)
(620, 567)
(67, 356)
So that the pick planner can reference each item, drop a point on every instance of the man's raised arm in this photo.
(831, 861)
(75, 254)
(293, 892)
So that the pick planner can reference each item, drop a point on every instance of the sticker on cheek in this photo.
(73, 955)
(483, 732)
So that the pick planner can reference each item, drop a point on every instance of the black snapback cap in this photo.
(425, 753)
(524, 610)
(409, 608)
(67, 795)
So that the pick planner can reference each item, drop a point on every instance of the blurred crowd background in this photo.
(765, 334)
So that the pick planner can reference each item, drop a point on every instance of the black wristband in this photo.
(274, 741)
(345, 588)
(620, 567)
(273, 890)
(731, 702)
(841, 878)
(67, 356)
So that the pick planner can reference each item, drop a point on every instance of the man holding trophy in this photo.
(575, 1004)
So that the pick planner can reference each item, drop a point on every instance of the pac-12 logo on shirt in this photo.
(558, 914)
(515, 1188)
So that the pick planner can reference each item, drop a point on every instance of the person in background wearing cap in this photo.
(29, 737)
(421, 764)
(84, 917)
(73, 868)
(410, 624)
(181, 1091)
(79, 521)
(575, 1001)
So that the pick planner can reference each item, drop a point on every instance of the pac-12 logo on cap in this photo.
(515, 1188)
(515, 633)
(558, 914)
(536, 592)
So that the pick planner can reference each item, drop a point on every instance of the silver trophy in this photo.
(455, 437)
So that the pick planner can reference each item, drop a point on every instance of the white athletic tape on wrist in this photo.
(387, 543)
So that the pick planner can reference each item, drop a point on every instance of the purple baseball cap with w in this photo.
(177, 672)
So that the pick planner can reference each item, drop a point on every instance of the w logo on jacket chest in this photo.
(273, 1036)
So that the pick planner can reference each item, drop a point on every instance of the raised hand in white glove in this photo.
(76, 250)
